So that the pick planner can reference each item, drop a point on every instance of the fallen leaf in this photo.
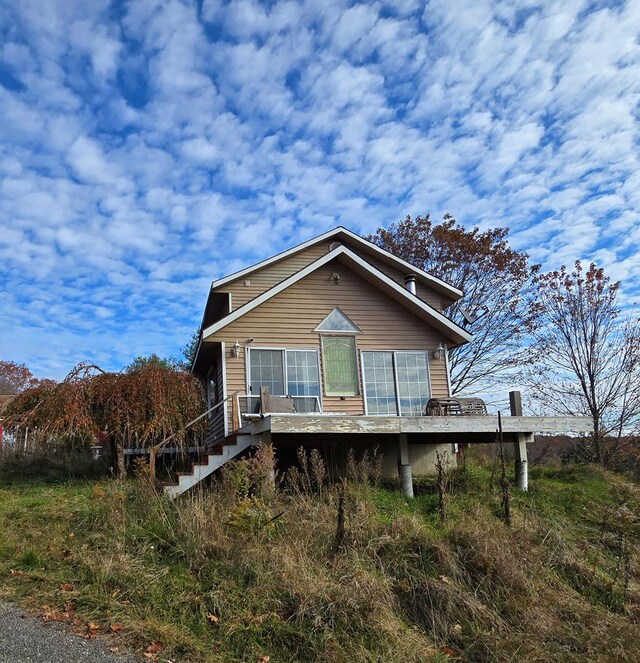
(93, 627)
(54, 616)
(16, 572)
(154, 648)
(445, 579)
(448, 651)
(70, 607)
(264, 659)
(66, 587)
(214, 619)
(115, 628)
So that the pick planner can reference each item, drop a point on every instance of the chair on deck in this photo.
(445, 407)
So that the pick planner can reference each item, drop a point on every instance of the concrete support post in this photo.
(522, 470)
(404, 467)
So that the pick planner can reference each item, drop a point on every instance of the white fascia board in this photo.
(409, 296)
(275, 258)
(265, 296)
(350, 255)
(411, 269)
(454, 293)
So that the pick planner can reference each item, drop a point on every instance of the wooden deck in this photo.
(484, 426)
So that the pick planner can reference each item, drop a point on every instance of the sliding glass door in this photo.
(396, 382)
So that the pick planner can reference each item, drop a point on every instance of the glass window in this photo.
(340, 365)
(267, 370)
(396, 381)
(379, 380)
(413, 382)
(337, 321)
(303, 379)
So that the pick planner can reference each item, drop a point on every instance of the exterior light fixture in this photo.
(438, 353)
(235, 350)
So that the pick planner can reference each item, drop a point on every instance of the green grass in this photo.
(213, 578)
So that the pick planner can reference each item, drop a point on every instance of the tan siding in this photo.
(428, 295)
(269, 276)
(288, 320)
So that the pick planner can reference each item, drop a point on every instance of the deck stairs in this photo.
(211, 460)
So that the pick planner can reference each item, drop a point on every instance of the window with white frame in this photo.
(396, 382)
(285, 372)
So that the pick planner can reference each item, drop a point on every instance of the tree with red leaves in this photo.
(15, 378)
(496, 281)
(586, 355)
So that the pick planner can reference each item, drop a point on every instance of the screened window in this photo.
(396, 382)
(340, 365)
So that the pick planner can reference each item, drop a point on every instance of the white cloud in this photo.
(146, 154)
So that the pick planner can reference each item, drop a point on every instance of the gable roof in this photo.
(410, 301)
(426, 278)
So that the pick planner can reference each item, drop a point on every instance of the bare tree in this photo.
(496, 280)
(586, 354)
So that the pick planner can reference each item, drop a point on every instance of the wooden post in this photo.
(265, 438)
(152, 463)
(515, 403)
(404, 467)
(235, 412)
(264, 400)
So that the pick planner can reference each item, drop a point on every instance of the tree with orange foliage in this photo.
(136, 409)
(496, 281)
(15, 378)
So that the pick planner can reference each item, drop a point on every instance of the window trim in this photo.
(358, 390)
(395, 380)
(285, 368)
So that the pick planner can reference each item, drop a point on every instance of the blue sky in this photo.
(147, 148)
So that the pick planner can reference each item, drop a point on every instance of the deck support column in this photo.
(265, 439)
(404, 467)
(522, 470)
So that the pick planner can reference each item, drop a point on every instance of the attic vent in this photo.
(334, 245)
(337, 321)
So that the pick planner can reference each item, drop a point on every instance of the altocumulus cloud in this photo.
(148, 147)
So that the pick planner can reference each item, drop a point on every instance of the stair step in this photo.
(184, 474)
(169, 484)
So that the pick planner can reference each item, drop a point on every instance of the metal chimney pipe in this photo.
(410, 283)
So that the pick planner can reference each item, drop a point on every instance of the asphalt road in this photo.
(25, 639)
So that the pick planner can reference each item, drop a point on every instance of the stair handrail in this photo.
(154, 450)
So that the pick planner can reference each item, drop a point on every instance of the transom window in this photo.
(285, 372)
(396, 382)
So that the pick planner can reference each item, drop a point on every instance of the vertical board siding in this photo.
(289, 318)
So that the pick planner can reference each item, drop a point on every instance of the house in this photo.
(334, 343)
